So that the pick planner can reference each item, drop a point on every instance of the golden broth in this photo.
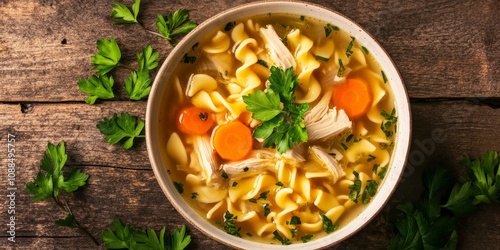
(265, 203)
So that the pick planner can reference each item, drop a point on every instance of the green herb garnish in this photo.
(369, 192)
(229, 224)
(365, 50)
(122, 127)
(328, 225)
(349, 51)
(284, 241)
(179, 187)
(177, 23)
(355, 188)
(389, 126)
(229, 26)
(263, 63)
(384, 77)
(320, 58)
(50, 181)
(267, 210)
(281, 128)
(128, 237)
(341, 68)
(329, 28)
(194, 195)
(306, 238)
(295, 220)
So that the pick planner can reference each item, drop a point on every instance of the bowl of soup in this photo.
(278, 124)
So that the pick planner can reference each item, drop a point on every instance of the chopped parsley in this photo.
(194, 195)
(245, 169)
(349, 137)
(320, 58)
(263, 63)
(341, 68)
(306, 238)
(371, 158)
(284, 241)
(263, 195)
(375, 168)
(252, 200)
(384, 76)
(294, 231)
(389, 126)
(249, 234)
(229, 26)
(382, 172)
(224, 174)
(279, 184)
(188, 59)
(229, 224)
(302, 18)
(179, 186)
(355, 188)
(365, 50)
(267, 210)
(295, 220)
(349, 51)
(369, 192)
(329, 28)
(328, 225)
(203, 116)
(344, 146)
(235, 184)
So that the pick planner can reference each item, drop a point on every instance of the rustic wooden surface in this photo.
(446, 51)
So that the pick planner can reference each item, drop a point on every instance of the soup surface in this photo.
(280, 128)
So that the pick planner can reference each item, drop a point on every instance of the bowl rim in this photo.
(401, 148)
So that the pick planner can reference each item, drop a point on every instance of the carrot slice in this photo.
(194, 121)
(353, 97)
(233, 141)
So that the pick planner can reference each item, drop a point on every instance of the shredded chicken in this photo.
(323, 122)
(207, 160)
(322, 157)
(280, 54)
(259, 161)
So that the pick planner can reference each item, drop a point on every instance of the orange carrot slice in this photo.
(194, 121)
(233, 141)
(353, 97)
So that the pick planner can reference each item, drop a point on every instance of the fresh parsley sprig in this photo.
(122, 236)
(137, 85)
(430, 224)
(50, 180)
(282, 119)
(122, 127)
(176, 23)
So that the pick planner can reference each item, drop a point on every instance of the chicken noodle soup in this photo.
(281, 129)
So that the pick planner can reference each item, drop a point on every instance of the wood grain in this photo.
(446, 46)
(445, 50)
(125, 183)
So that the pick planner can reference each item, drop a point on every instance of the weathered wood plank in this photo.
(125, 183)
(443, 49)
(74, 123)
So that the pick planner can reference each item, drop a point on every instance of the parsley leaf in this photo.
(138, 85)
(282, 125)
(48, 185)
(176, 23)
(123, 15)
(121, 127)
(121, 236)
(108, 56)
(263, 105)
(485, 176)
(50, 180)
(97, 87)
(147, 59)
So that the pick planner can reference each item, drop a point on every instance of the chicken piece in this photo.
(280, 54)
(323, 122)
(207, 160)
(258, 161)
(324, 159)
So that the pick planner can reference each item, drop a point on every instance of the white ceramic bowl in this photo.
(159, 93)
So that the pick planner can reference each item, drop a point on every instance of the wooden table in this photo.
(447, 52)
